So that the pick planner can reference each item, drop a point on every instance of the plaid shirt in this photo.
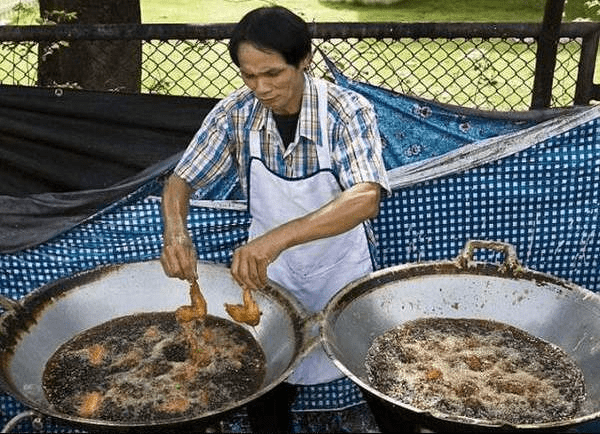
(223, 138)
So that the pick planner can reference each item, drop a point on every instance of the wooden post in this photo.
(546, 54)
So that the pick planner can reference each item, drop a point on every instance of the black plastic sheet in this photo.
(65, 153)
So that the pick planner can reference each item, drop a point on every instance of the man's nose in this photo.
(262, 86)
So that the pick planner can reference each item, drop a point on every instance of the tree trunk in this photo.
(92, 65)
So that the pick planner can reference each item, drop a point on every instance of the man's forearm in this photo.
(350, 208)
(175, 206)
(178, 256)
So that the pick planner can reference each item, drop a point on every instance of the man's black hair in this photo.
(273, 29)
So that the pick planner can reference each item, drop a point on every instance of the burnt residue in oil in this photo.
(140, 368)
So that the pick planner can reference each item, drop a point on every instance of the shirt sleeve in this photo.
(208, 155)
(358, 147)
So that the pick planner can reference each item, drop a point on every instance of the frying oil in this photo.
(476, 368)
(142, 368)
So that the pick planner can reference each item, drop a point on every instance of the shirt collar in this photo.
(308, 122)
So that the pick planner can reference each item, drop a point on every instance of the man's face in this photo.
(275, 83)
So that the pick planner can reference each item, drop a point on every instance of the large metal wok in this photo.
(32, 329)
(547, 307)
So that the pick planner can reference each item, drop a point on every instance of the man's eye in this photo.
(269, 74)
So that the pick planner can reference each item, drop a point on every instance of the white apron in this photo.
(314, 271)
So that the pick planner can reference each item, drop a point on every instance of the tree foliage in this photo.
(582, 10)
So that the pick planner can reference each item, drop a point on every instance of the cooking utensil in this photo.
(33, 328)
(545, 306)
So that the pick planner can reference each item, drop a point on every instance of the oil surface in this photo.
(144, 367)
(476, 368)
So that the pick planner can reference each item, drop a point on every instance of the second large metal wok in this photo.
(33, 328)
(546, 307)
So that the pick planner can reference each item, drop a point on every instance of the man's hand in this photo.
(250, 261)
(178, 257)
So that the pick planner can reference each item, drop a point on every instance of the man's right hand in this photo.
(179, 258)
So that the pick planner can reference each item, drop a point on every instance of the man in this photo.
(308, 155)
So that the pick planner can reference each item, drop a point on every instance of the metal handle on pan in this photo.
(8, 304)
(312, 337)
(511, 264)
(36, 421)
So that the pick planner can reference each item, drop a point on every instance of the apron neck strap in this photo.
(255, 151)
(323, 151)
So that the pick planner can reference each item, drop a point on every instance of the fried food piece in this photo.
(185, 372)
(91, 403)
(130, 360)
(152, 332)
(198, 301)
(208, 335)
(186, 314)
(176, 404)
(247, 313)
(198, 308)
(96, 354)
(474, 363)
(433, 374)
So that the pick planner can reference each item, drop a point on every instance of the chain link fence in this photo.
(492, 72)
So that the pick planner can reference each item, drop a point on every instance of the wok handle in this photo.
(36, 421)
(312, 337)
(8, 304)
(511, 264)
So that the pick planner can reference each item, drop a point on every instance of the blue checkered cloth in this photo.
(335, 395)
(544, 200)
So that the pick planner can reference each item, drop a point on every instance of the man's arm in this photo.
(178, 256)
(350, 208)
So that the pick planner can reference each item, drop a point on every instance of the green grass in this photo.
(228, 11)
(408, 11)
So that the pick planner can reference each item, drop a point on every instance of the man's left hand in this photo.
(250, 262)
